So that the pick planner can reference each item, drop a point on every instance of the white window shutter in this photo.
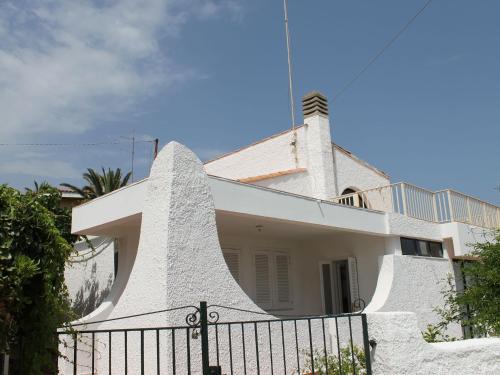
(262, 280)
(353, 281)
(232, 258)
(283, 290)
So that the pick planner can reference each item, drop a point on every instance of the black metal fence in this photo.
(329, 344)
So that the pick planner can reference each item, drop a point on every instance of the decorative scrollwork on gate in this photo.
(193, 318)
(358, 305)
(213, 317)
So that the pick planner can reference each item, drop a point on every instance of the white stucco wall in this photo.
(89, 273)
(320, 157)
(406, 226)
(355, 174)
(401, 350)
(297, 183)
(413, 283)
(313, 151)
(271, 155)
(178, 262)
(464, 236)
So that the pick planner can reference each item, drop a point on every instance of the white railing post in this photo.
(434, 207)
(485, 217)
(403, 197)
(450, 205)
(355, 200)
(468, 210)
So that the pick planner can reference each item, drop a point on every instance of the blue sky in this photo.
(212, 75)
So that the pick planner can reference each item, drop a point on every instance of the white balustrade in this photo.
(410, 200)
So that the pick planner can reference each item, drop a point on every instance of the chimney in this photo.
(314, 103)
(321, 166)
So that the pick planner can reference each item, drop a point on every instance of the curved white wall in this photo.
(414, 284)
(89, 273)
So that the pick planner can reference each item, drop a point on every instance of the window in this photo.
(353, 199)
(272, 279)
(411, 246)
(282, 262)
(263, 280)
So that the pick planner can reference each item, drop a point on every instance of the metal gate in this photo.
(206, 344)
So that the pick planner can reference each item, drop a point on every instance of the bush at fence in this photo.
(350, 362)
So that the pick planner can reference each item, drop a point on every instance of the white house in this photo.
(305, 228)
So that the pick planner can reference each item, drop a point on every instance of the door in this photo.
(337, 286)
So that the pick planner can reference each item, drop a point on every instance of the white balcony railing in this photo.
(441, 206)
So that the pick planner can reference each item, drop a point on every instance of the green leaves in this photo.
(100, 184)
(35, 242)
(334, 365)
(482, 295)
(478, 306)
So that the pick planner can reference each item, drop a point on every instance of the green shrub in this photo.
(351, 362)
(35, 242)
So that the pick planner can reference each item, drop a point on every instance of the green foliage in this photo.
(437, 333)
(100, 184)
(482, 295)
(478, 306)
(35, 242)
(330, 364)
(449, 313)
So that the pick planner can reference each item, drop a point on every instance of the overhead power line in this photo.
(381, 51)
(91, 144)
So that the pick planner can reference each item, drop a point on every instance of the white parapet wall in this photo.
(411, 283)
(400, 349)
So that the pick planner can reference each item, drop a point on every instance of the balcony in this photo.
(440, 207)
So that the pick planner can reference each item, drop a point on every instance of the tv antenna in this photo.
(290, 82)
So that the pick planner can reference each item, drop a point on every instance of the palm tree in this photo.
(100, 184)
(39, 187)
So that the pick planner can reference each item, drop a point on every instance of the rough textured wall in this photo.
(320, 157)
(412, 283)
(178, 263)
(401, 350)
(464, 236)
(297, 183)
(352, 173)
(274, 154)
(313, 151)
(406, 226)
(89, 274)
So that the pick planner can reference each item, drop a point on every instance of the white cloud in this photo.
(66, 65)
(40, 168)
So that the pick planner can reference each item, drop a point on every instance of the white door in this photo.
(339, 287)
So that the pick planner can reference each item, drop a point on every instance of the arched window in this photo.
(353, 199)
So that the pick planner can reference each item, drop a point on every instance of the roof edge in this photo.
(271, 175)
(253, 144)
(360, 161)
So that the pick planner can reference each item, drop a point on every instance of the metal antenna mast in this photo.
(290, 85)
(133, 155)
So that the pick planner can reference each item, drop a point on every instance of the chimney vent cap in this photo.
(314, 103)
